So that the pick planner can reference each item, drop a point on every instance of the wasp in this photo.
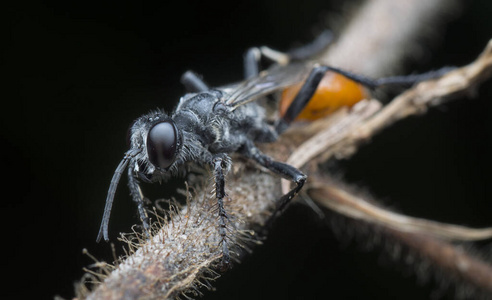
(209, 124)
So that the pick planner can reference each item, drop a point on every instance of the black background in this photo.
(79, 73)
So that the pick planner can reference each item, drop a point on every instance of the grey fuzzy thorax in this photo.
(206, 126)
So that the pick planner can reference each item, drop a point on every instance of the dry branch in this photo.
(356, 207)
(427, 239)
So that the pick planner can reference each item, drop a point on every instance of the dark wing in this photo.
(270, 81)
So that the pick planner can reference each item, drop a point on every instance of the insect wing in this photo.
(274, 79)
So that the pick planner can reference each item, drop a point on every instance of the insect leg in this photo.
(253, 55)
(301, 53)
(138, 198)
(193, 83)
(282, 169)
(404, 80)
(252, 63)
(302, 98)
(311, 84)
(219, 163)
(408, 80)
(315, 47)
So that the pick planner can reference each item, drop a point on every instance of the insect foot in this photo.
(219, 163)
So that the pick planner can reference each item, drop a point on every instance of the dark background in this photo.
(79, 73)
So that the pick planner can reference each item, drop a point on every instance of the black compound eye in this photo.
(162, 141)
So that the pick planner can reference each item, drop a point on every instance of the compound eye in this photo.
(162, 142)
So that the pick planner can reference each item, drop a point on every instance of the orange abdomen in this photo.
(334, 91)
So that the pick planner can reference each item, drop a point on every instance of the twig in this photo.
(421, 236)
(356, 207)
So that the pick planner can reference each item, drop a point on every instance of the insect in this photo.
(210, 123)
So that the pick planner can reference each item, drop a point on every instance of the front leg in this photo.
(137, 196)
(219, 163)
(286, 171)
